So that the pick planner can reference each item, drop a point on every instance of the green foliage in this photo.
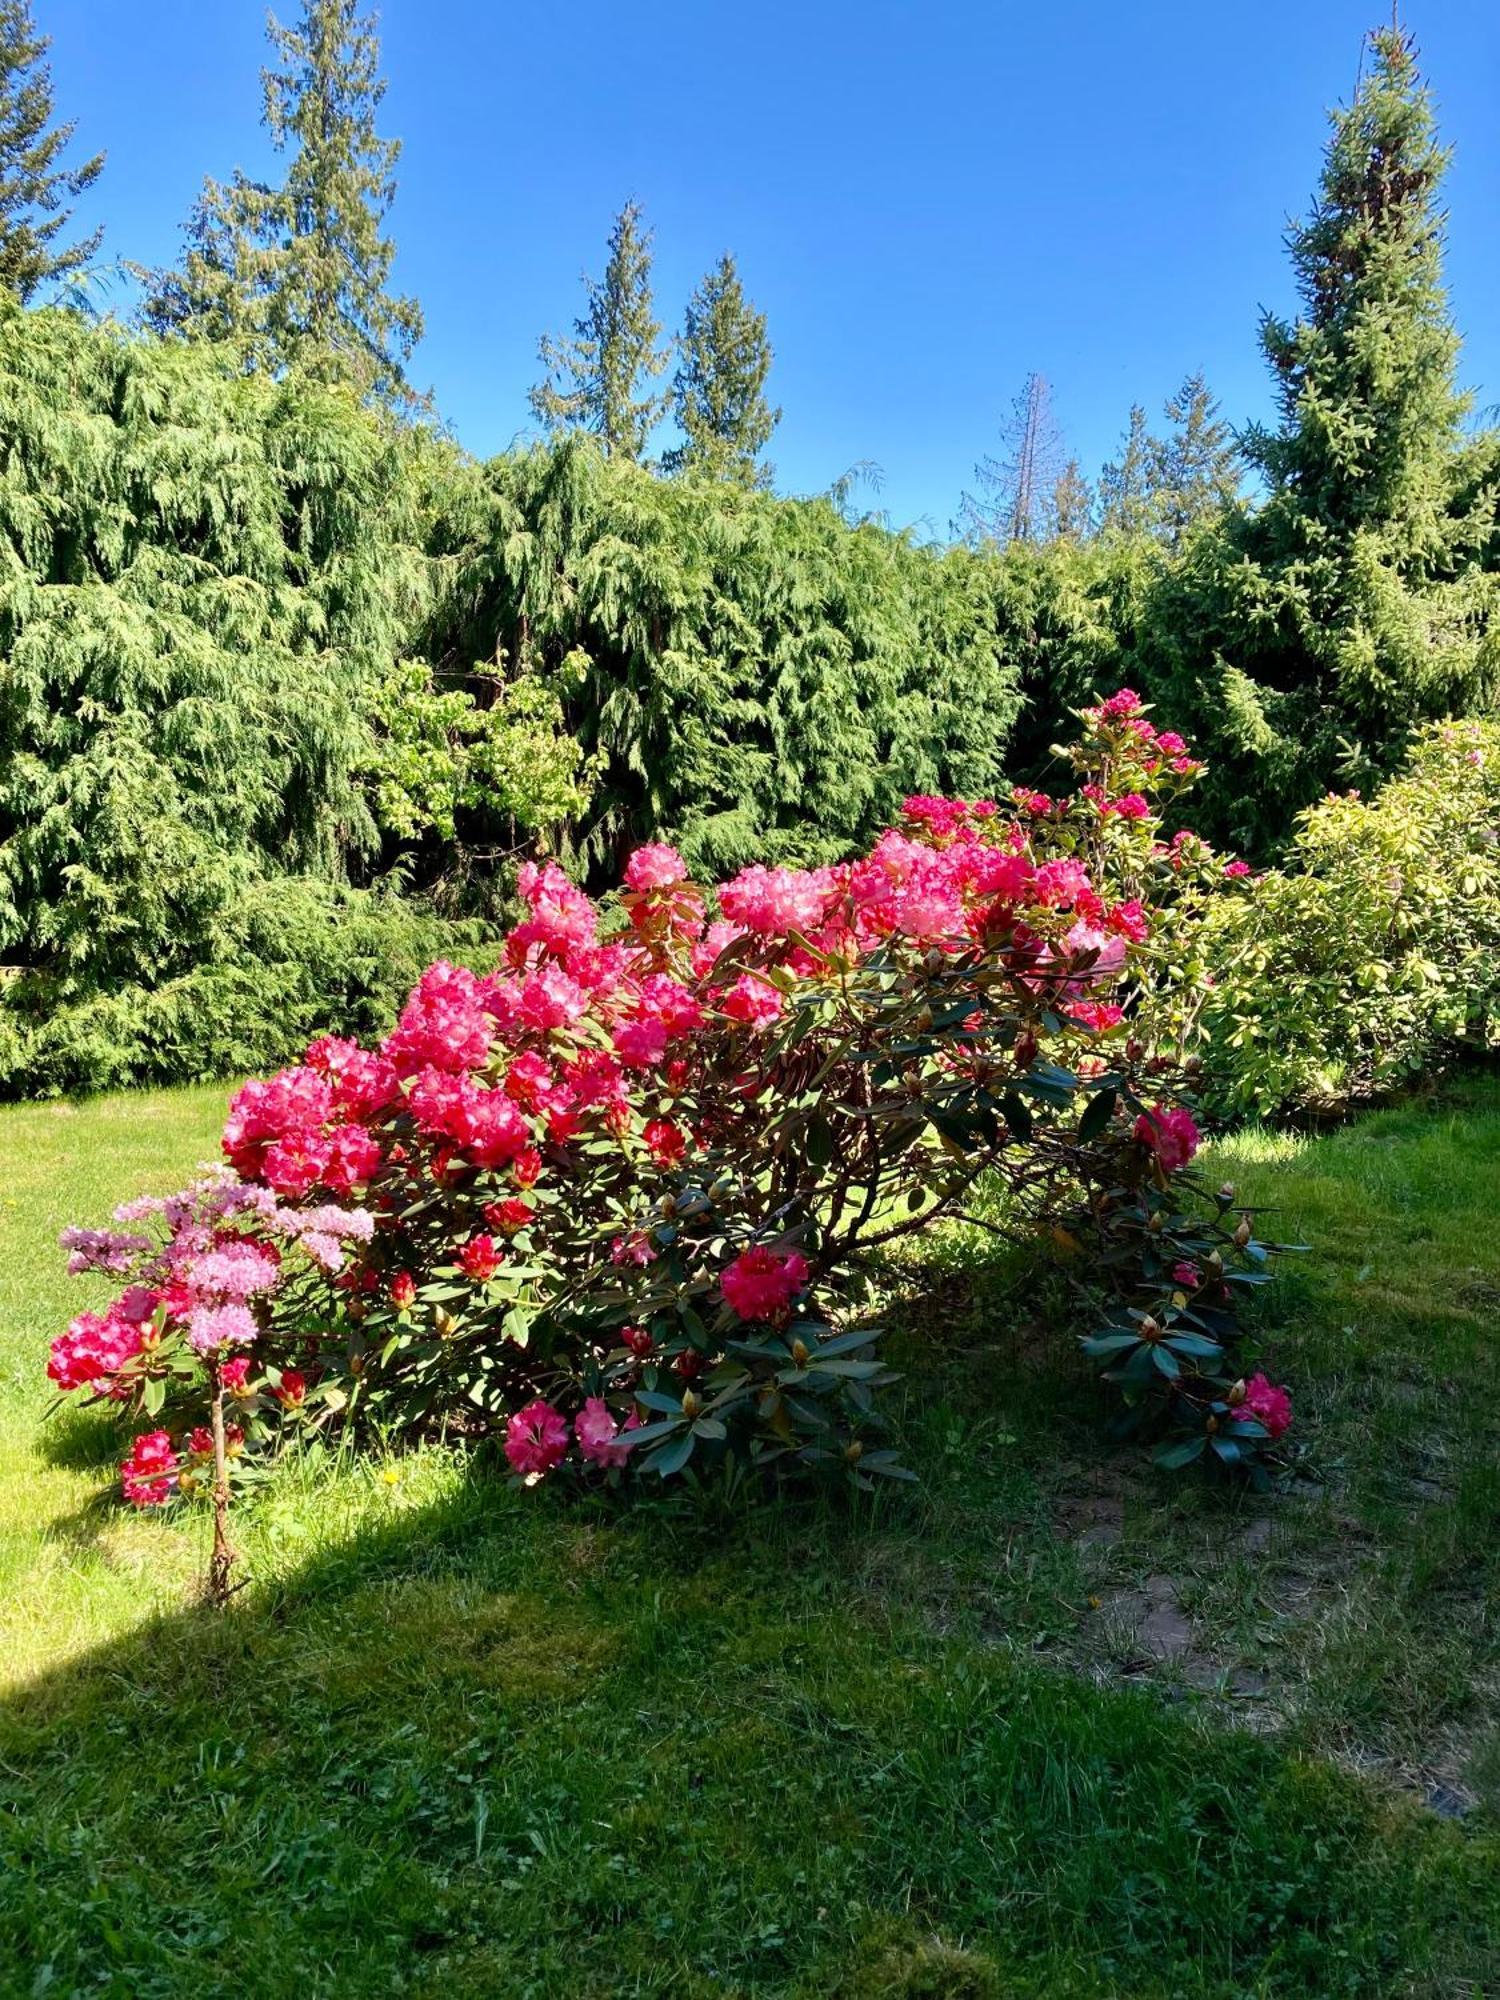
(280, 959)
(757, 678)
(34, 185)
(1126, 497)
(296, 276)
(1302, 640)
(201, 586)
(718, 395)
(1195, 469)
(496, 747)
(599, 378)
(1374, 947)
(1065, 618)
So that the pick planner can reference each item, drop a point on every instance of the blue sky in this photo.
(927, 201)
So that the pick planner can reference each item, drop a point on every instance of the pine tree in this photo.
(1017, 484)
(718, 394)
(1195, 470)
(299, 273)
(598, 378)
(34, 186)
(1127, 492)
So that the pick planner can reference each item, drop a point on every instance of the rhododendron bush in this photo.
(616, 1202)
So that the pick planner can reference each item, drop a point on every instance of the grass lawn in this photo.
(1048, 1725)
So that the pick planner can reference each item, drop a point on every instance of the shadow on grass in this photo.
(497, 1743)
(454, 1739)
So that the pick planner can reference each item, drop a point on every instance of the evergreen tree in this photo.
(598, 378)
(1313, 633)
(1196, 468)
(1127, 491)
(1016, 485)
(1071, 508)
(299, 273)
(718, 394)
(34, 186)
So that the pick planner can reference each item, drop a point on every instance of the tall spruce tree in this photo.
(1016, 484)
(599, 377)
(1195, 469)
(718, 393)
(1070, 512)
(1312, 633)
(35, 187)
(299, 274)
(1127, 491)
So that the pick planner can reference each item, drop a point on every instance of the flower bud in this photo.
(1242, 1234)
(692, 1402)
(1236, 1395)
(1150, 1328)
(800, 1353)
(854, 1451)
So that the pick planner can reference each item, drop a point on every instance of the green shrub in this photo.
(285, 958)
(1374, 948)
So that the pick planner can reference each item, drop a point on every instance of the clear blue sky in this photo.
(928, 201)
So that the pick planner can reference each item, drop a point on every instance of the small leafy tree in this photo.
(35, 186)
(598, 379)
(718, 394)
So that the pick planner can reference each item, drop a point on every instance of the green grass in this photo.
(457, 1740)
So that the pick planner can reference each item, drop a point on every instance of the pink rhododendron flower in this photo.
(654, 866)
(211, 1328)
(1268, 1404)
(102, 1249)
(753, 1000)
(293, 1106)
(536, 1438)
(291, 1390)
(92, 1351)
(1170, 1133)
(295, 1164)
(479, 1259)
(234, 1271)
(403, 1290)
(598, 1435)
(1060, 883)
(149, 1474)
(443, 1026)
(666, 1142)
(353, 1158)
(773, 901)
(363, 1081)
(642, 1043)
(508, 1215)
(235, 1375)
(1188, 1276)
(762, 1282)
(1236, 871)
